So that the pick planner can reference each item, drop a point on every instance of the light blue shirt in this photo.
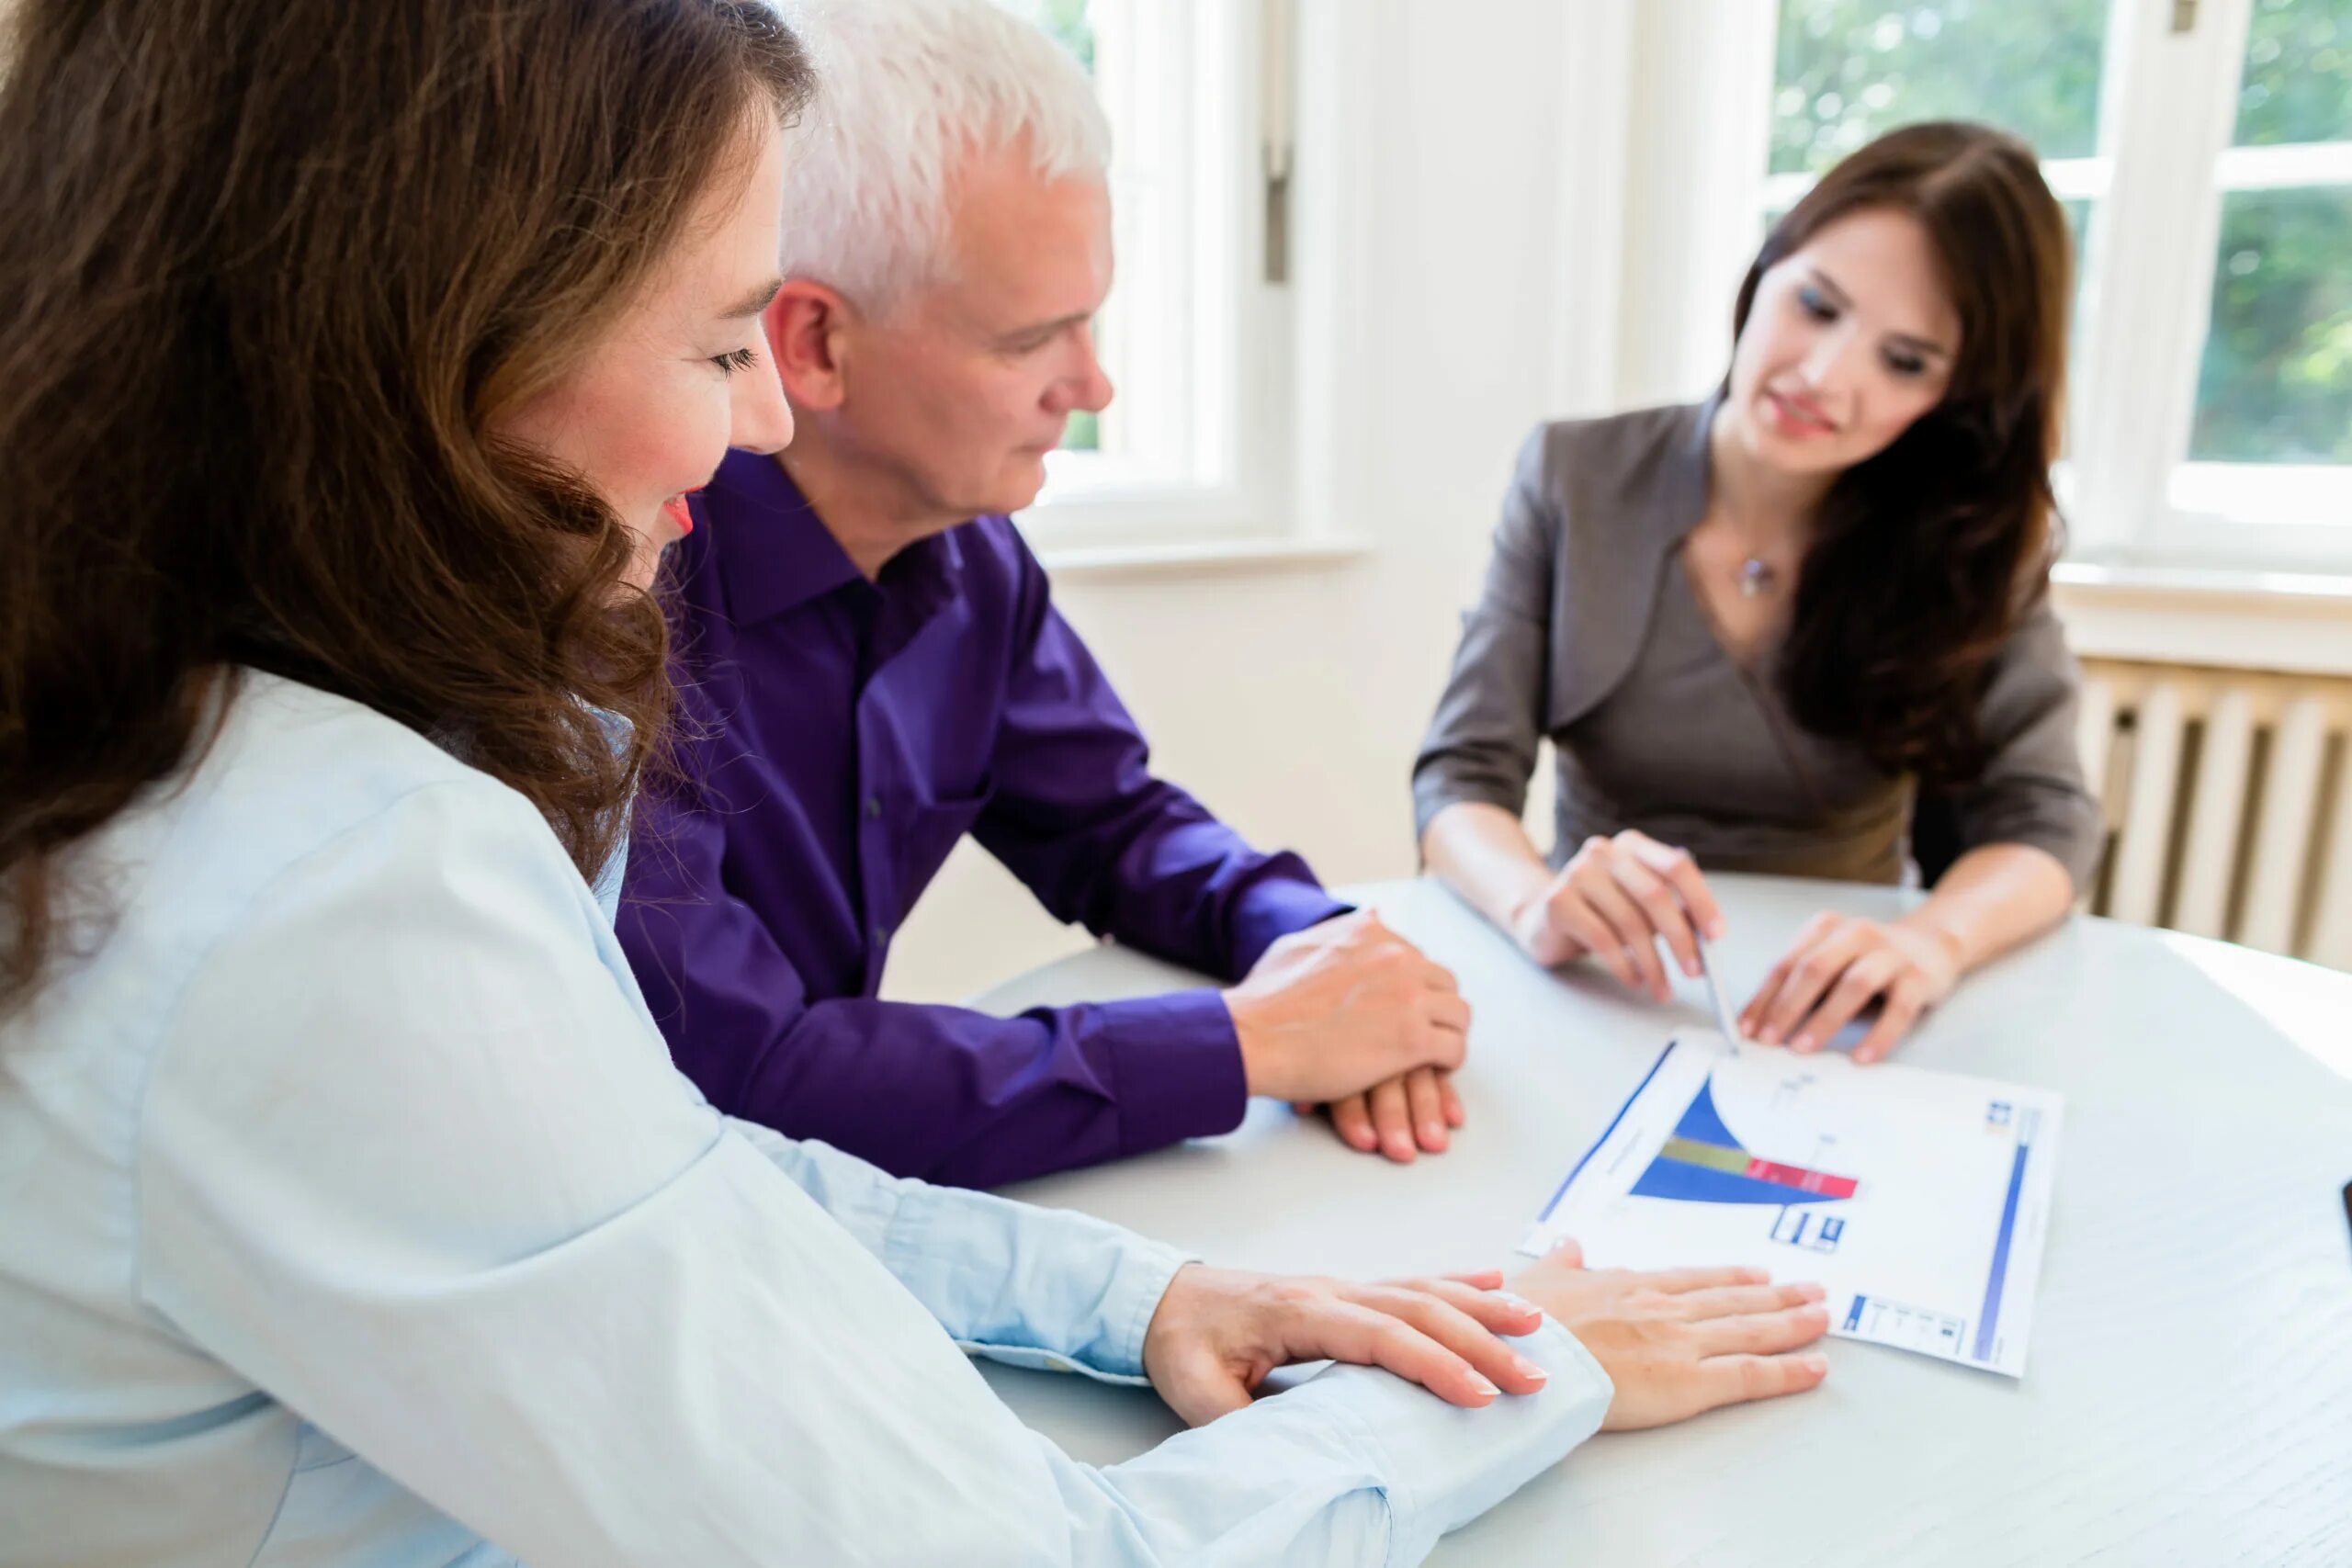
(352, 1212)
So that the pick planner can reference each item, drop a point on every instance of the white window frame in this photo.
(2168, 110)
(2173, 100)
(1197, 342)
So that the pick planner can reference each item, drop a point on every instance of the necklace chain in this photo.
(1756, 576)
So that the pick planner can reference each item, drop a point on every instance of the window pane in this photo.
(1850, 69)
(2298, 85)
(1066, 23)
(2078, 232)
(2276, 382)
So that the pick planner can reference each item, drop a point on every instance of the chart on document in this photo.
(1919, 1200)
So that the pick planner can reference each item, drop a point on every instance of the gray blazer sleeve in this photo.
(1481, 744)
(2032, 791)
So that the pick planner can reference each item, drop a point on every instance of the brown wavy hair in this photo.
(1923, 558)
(272, 270)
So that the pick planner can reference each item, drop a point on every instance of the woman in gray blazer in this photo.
(1752, 626)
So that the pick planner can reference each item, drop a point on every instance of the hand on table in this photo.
(1219, 1332)
(1616, 899)
(1331, 1010)
(1841, 965)
(1679, 1342)
(1416, 1111)
(1675, 1342)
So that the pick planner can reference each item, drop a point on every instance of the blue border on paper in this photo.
(1987, 1320)
(1562, 1190)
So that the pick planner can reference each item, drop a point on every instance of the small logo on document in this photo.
(1996, 1116)
(1802, 1227)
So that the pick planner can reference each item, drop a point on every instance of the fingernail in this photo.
(1767, 1035)
(1398, 1145)
(1813, 1292)
(1814, 1363)
(1802, 1043)
(1521, 1305)
(1530, 1370)
(1716, 929)
(1690, 968)
(1433, 1134)
(1483, 1386)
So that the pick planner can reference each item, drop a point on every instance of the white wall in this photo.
(1290, 698)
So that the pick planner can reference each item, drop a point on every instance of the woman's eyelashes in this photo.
(1819, 308)
(735, 360)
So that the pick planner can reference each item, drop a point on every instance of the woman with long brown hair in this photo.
(1756, 626)
(351, 1210)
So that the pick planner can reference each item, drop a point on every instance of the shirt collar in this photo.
(776, 553)
(768, 543)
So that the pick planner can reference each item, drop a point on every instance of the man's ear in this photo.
(808, 327)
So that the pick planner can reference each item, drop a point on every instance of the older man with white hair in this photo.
(873, 667)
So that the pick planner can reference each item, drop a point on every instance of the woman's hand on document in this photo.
(1219, 1333)
(1617, 900)
(1842, 964)
(1679, 1342)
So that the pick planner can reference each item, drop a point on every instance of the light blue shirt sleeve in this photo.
(1010, 1281)
(413, 1160)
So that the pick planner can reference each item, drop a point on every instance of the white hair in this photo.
(908, 90)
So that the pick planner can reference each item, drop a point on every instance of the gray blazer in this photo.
(1589, 634)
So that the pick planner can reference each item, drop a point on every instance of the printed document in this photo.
(1920, 1200)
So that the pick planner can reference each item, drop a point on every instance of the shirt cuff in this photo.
(1176, 1066)
(1443, 1465)
(1128, 1307)
(1273, 910)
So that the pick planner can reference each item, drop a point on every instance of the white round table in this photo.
(2188, 1394)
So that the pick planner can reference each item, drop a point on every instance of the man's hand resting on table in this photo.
(1674, 1343)
(1413, 1112)
(1350, 1014)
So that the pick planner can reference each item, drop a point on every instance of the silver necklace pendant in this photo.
(1755, 577)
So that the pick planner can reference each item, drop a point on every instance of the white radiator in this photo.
(2228, 798)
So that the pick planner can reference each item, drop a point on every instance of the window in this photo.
(2203, 150)
(2269, 428)
(1191, 333)
(1846, 71)
(1066, 22)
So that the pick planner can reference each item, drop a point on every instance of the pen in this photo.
(1723, 1020)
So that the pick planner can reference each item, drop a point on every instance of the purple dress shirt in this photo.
(837, 736)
